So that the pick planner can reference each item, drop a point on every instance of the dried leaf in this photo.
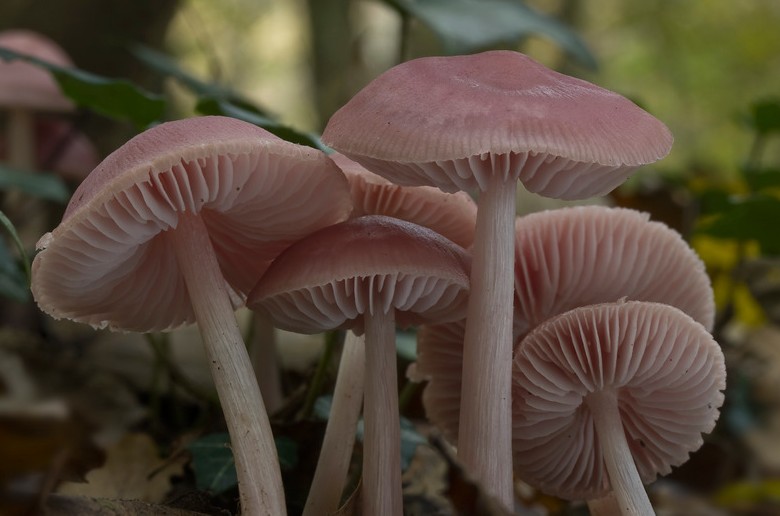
(133, 470)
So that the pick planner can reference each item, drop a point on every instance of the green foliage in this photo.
(42, 185)
(753, 218)
(213, 99)
(215, 469)
(14, 279)
(765, 116)
(115, 98)
(465, 26)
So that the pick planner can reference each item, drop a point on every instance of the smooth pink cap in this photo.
(109, 264)
(25, 85)
(369, 264)
(667, 372)
(451, 122)
(451, 215)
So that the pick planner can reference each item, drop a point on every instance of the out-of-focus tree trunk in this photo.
(332, 55)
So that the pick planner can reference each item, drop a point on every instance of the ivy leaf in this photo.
(115, 98)
(215, 469)
(43, 185)
(465, 26)
(754, 218)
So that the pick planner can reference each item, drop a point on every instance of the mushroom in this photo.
(450, 215)
(26, 89)
(482, 122)
(369, 274)
(175, 227)
(608, 396)
(564, 259)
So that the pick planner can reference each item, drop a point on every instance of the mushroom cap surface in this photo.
(585, 255)
(451, 215)
(451, 122)
(28, 86)
(109, 263)
(667, 373)
(567, 258)
(368, 264)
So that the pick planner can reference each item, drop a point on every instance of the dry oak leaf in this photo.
(133, 471)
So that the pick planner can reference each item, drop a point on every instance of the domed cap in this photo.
(451, 121)
(451, 215)
(369, 264)
(109, 263)
(28, 86)
(664, 368)
(593, 254)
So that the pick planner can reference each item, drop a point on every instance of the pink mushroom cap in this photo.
(451, 122)
(108, 264)
(24, 85)
(567, 258)
(667, 373)
(369, 264)
(451, 215)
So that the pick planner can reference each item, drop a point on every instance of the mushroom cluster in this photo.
(531, 326)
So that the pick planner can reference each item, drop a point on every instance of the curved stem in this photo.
(604, 506)
(330, 477)
(382, 437)
(630, 494)
(257, 463)
(485, 430)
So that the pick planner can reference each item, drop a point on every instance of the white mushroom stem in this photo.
(485, 431)
(627, 487)
(20, 129)
(330, 477)
(265, 361)
(382, 436)
(254, 451)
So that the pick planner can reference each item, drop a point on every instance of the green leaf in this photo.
(9, 227)
(43, 185)
(754, 218)
(13, 284)
(215, 469)
(216, 106)
(765, 116)
(115, 98)
(167, 67)
(465, 26)
(762, 179)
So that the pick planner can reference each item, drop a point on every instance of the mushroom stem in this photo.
(485, 431)
(382, 436)
(604, 506)
(20, 127)
(257, 464)
(265, 361)
(627, 487)
(333, 463)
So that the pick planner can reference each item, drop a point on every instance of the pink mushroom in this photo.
(608, 396)
(175, 227)
(367, 274)
(26, 89)
(484, 122)
(564, 259)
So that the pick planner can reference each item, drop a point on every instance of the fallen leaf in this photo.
(133, 470)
